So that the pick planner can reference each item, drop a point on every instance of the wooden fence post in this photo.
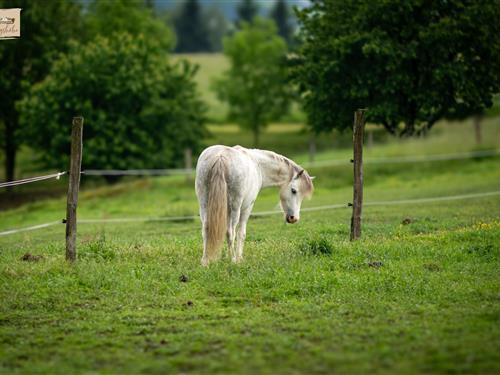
(357, 201)
(73, 187)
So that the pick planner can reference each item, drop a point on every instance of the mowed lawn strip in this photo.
(418, 293)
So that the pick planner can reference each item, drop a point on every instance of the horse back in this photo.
(241, 169)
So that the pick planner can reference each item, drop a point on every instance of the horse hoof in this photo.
(204, 262)
(237, 260)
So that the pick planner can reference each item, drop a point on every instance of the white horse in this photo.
(228, 180)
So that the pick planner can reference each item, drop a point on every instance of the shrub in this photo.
(316, 246)
(140, 111)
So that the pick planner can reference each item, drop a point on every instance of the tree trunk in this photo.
(256, 136)
(409, 129)
(390, 127)
(10, 152)
(424, 131)
(477, 128)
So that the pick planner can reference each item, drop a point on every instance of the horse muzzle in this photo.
(291, 219)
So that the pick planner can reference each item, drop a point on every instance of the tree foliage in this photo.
(410, 62)
(140, 111)
(26, 60)
(191, 29)
(255, 86)
(134, 17)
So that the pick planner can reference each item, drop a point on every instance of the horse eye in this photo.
(294, 191)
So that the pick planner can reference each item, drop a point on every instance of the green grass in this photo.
(211, 66)
(446, 137)
(495, 109)
(418, 293)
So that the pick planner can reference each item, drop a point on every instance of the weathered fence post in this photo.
(357, 201)
(73, 187)
(188, 163)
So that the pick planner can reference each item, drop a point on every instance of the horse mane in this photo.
(306, 183)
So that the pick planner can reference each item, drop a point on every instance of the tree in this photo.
(140, 111)
(247, 10)
(131, 16)
(26, 60)
(255, 86)
(150, 4)
(281, 16)
(192, 33)
(410, 62)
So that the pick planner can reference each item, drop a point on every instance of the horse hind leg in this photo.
(204, 259)
(233, 218)
(242, 233)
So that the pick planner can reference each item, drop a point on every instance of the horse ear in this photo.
(299, 174)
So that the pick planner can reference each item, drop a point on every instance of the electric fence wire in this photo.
(260, 213)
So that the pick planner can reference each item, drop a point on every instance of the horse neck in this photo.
(276, 170)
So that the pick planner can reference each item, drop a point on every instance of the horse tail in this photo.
(216, 223)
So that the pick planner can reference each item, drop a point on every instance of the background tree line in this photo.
(201, 28)
(411, 64)
(110, 64)
(106, 60)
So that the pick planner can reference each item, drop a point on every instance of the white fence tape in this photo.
(34, 227)
(407, 159)
(433, 199)
(138, 219)
(32, 179)
(319, 163)
(261, 213)
(136, 172)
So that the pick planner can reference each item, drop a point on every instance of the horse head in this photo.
(293, 193)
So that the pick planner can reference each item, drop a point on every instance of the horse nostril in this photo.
(292, 217)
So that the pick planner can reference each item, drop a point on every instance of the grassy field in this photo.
(419, 293)
(212, 66)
